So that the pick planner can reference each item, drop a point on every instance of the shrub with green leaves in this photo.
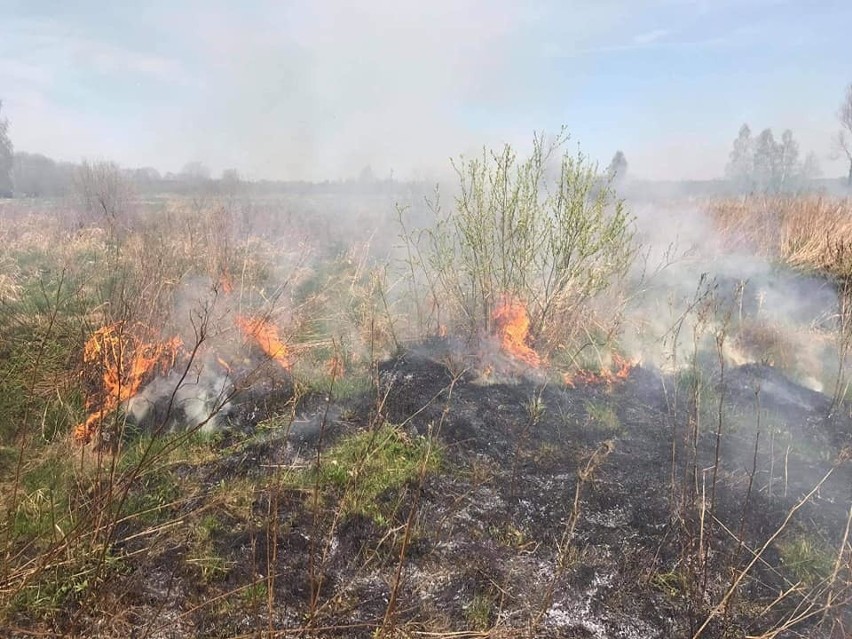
(547, 230)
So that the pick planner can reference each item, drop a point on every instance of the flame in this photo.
(512, 327)
(620, 370)
(265, 333)
(225, 283)
(125, 359)
(335, 367)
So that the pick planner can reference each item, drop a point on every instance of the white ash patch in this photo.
(577, 613)
(612, 518)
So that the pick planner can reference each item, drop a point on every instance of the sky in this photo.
(320, 89)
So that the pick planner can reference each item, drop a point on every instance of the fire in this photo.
(123, 356)
(512, 326)
(335, 367)
(265, 333)
(125, 360)
(226, 285)
(619, 371)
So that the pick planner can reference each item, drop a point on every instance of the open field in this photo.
(425, 320)
(509, 415)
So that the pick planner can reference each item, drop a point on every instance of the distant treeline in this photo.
(36, 175)
(753, 168)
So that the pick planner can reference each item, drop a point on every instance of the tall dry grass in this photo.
(813, 232)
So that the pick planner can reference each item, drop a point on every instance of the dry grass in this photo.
(184, 265)
(70, 512)
(812, 232)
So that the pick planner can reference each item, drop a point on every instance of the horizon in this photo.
(318, 91)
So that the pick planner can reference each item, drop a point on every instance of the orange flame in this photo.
(335, 367)
(619, 371)
(512, 326)
(265, 333)
(125, 360)
(226, 283)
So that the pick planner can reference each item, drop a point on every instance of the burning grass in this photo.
(126, 357)
(262, 331)
(512, 326)
(360, 504)
(618, 371)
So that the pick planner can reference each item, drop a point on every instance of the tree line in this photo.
(763, 165)
(758, 164)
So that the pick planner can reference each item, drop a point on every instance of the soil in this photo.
(557, 512)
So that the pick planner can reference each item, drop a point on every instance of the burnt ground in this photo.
(556, 512)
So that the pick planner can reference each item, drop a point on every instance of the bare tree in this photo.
(6, 157)
(103, 194)
(36, 175)
(195, 172)
(766, 162)
(844, 136)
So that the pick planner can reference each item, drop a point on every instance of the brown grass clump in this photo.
(767, 343)
(811, 232)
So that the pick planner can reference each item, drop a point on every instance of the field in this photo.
(497, 414)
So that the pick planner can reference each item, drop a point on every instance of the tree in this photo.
(810, 167)
(6, 157)
(617, 169)
(103, 194)
(788, 161)
(518, 231)
(764, 165)
(740, 169)
(195, 172)
(766, 161)
(36, 175)
(230, 177)
(844, 136)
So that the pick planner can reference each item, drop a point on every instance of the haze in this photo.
(319, 90)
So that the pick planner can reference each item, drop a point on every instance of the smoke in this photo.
(224, 377)
(692, 289)
(202, 402)
(321, 90)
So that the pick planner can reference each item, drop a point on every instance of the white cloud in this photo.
(650, 37)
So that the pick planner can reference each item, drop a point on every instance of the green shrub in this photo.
(521, 230)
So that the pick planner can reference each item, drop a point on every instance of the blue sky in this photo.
(318, 89)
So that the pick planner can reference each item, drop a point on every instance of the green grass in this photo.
(673, 584)
(314, 372)
(806, 557)
(369, 469)
(203, 556)
(150, 500)
(479, 611)
(602, 416)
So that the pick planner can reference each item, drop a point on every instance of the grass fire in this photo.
(299, 375)
(513, 325)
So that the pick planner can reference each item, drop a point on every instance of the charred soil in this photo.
(524, 508)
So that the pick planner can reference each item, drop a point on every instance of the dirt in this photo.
(558, 512)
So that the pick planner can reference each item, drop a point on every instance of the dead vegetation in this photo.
(810, 232)
(369, 476)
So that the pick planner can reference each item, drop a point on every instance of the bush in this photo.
(547, 230)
